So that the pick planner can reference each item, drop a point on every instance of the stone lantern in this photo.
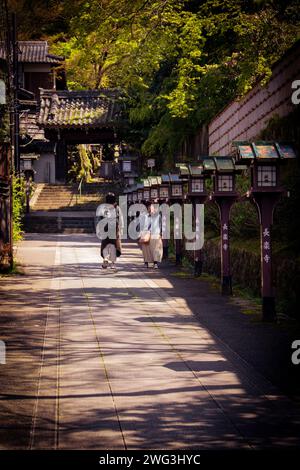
(265, 160)
(223, 171)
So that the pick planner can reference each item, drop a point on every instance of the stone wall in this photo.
(245, 119)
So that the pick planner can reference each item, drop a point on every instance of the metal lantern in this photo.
(154, 189)
(223, 170)
(164, 189)
(146, 190)
(140, 192)
(193, 173)
(176, 186)
(126, 166)
(266, 176)
(197, 186)
(176, 190)
(176, 196)
(265, 159)
(224, 181)
(196, 181)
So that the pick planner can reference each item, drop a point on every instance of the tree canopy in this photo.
(177, 62)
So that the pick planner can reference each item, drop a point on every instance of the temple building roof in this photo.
(79, 109)
(32, 136)
(34, 52)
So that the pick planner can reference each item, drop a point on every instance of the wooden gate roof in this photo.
(79, 109)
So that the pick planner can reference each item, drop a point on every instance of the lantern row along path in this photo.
(132, 359)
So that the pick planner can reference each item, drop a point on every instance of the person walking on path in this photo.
(150, 239)
(111, 245)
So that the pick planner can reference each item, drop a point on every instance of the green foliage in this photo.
(19, 201)
(177, 63)
(244, 217)
(244, 223)
(82, 163)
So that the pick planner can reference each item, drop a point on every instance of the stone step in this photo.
(49, 213)
(40, 224)
(65, 197)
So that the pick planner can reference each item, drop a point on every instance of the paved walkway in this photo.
(104, 360)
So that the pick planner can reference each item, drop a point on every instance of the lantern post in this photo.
(128, 167)
(129, 196)
(176, 196)
(154, 187)
(164, 196)
(224, 195)
(129, 193)
(146, 190)
(134, 194)
(197, 194)
(265, 159)
(140, 192)
(126, 193)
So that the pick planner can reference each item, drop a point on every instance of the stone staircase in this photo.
(59, 197)
(61, 209)
(56, 223)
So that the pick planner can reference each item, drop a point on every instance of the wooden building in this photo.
(37, 68)
(5, 172)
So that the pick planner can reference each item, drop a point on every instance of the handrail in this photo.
(79, 190)
(80, 187)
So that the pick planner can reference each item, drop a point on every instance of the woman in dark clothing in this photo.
(111, 245)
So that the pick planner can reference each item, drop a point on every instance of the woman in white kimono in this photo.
(150, 236)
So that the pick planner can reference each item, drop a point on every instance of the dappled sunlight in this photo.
(122, 347)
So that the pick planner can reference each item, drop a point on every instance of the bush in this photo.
(19, 202)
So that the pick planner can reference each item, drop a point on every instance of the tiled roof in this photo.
(34, 52)
(29, 127)
(32, 137)
(77, 109)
